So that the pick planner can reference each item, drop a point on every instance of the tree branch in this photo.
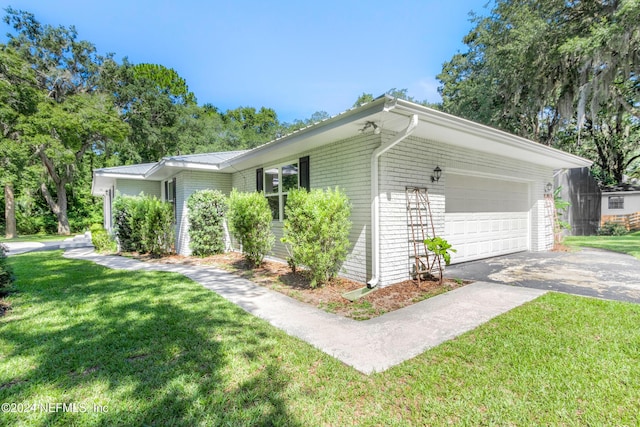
(48, 164)
(55, 208)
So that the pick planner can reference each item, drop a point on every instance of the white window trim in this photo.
(280, 192)
(619, 202)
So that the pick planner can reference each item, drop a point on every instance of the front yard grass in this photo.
(35, 238)
(628, 244)
(153, 348)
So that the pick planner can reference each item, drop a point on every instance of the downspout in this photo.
(375, 201)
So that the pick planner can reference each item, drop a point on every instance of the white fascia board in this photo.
(156, 172)
(438, 118)
(192, 165)
(619, 193)
(118, 175)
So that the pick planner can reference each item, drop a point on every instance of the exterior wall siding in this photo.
(411, 163)
(187, 183)
(631, 202)
(133, 187)
(346, 164)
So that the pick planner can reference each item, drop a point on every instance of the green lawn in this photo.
(35, 238)
(628, 244)
(158, 349)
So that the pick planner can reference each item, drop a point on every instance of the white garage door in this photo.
(485, 217)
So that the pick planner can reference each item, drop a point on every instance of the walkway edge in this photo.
(369, 346)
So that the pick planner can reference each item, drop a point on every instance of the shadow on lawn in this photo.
(154, 347)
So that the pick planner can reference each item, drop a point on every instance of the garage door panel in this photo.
(483, 234)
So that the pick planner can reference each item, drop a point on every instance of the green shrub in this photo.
(144, 224)
(612, 229)
(206, 222)
(6, 275)
(157, 231)
(122, 223)
(250, 222)
(316, 228)
(101, 240)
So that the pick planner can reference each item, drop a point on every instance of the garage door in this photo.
(485, 217)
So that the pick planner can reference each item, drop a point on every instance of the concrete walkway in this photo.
(369, 346)
(80, 241)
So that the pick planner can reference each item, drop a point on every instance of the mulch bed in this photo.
(279, 277)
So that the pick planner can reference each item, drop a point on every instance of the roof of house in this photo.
(206, 158)
(632, 187)
(384, 114)
(139, 169)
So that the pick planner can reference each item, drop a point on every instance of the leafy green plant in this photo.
(157, 231)
(316, 230)
(610, 228)
(249, 219)
(206, 222)
(101, 240)
(440, 247)
(144, 224)
(561, 206)
(123, 223)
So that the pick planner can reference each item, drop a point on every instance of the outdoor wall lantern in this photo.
(548, 188)
(437, 173)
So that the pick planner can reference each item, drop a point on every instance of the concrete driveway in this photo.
(589, 272)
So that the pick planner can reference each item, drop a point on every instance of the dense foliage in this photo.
(316, 231)
(206, 222)
(65, 109)
(249, 219)
(6, 275)
(101, 240)
(610, 228)
(561, 73)
(144, 224)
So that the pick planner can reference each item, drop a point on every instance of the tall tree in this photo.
(152, 99)
(72, 117)
(18, 96)
(549, 69)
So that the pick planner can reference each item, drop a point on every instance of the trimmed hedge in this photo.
(144, 224)
(206, 222)
(316, 230)
(249, 219)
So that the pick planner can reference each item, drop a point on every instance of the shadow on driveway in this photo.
(589, 272)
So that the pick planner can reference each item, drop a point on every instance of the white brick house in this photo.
(488, 201)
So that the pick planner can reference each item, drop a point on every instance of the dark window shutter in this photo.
(166, 191)
(175, 203)
(303, 165)
(260, 179)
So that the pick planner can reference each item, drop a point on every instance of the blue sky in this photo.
(296, 57)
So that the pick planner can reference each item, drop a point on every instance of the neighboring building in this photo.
(621, 204)
(488, 201)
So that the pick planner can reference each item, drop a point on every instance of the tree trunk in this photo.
(63, 220)
(59, 208)
(9, 212)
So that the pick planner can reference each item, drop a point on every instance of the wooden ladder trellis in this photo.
(421, 227)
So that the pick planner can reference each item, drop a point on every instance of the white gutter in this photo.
(375, 201)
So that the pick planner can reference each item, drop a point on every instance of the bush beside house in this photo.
(144, 224)
(316, 230)
(249, 219)
(206, 209)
